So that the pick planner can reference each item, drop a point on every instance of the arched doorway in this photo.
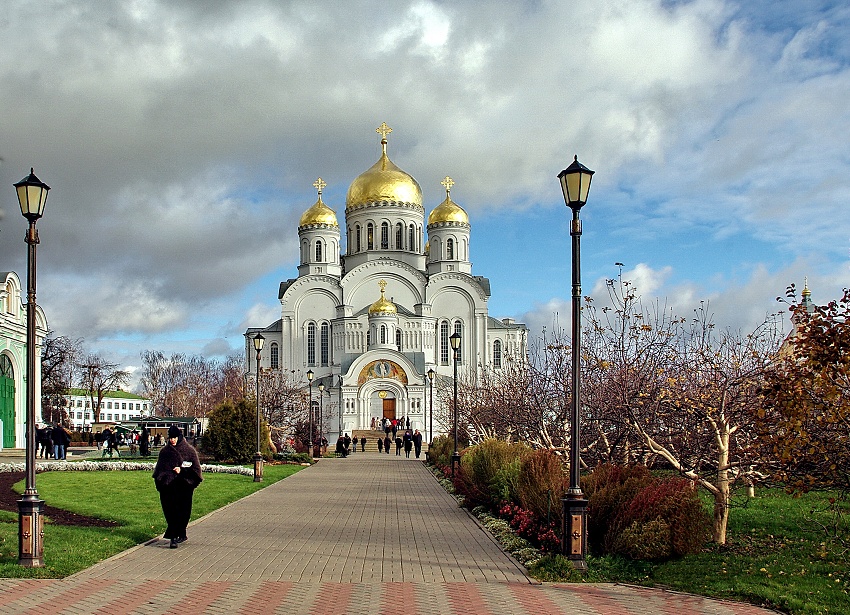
(7, 401)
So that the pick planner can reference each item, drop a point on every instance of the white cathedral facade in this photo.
(371, 322)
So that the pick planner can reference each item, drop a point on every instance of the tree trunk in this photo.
(721, 496)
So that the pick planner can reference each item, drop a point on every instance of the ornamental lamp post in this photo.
(259, 340)
(321, 413)
(431, 374)
(454, 340)
(310, 413)
(575, 184)
(32, 196)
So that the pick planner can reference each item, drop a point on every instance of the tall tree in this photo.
(59, 357)
(97, 376)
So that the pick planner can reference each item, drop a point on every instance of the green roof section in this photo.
(112, 394)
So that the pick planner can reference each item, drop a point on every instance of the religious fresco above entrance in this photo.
(382, 369)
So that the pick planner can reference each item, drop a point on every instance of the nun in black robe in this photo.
(176, 474)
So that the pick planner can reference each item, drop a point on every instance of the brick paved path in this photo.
(371, 534)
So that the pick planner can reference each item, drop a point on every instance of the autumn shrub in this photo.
(440, 452)
(541, 484)
(610, 489)
(488, 472)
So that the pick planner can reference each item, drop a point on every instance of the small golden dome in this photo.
(384, 181)
(382, 306)
(448, 210)
(319, 213)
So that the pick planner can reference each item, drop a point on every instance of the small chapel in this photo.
(373, 307)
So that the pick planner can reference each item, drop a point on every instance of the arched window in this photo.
(311, 344)
(275, 357)
(357, 236)
(383, 334)
(450, 249)
(398, 339)
(459, 331)
(399, 236)
(385, 236)
(318, 251)
(370, 236)
(326, 334)
(444, 343)
(497, 354)
(410, 236)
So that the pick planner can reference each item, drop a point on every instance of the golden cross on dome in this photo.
(319, 185)
(383, 130)
(383, 285)
(448, 183)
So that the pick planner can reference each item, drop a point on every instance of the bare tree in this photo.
(59, 357)
(97, 376)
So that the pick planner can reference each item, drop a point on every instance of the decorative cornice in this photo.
(370, 204)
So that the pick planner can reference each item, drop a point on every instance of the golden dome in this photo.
(319, 213)
(382, 306)
(384, 181)
(448, 210)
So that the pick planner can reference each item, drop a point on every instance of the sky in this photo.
(181, 140)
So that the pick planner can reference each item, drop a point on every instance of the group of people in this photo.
(344, 442)
(410, 441)
(109, 440)
(391, 425)
(52, 441)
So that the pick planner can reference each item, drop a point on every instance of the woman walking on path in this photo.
(176, 475)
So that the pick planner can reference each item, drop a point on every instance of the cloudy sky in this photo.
(181, 140)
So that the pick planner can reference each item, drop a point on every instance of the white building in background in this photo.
(370, 322)
(13, 360)
(116, 406)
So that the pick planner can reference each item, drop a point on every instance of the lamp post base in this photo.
(30, 532)
(258, 468)
(574, 530)
(455, 462)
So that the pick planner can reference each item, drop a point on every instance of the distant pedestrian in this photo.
(61, 440)
(387, 444)
(354, 450)
(398, 444)
(408, 443)
(340, 447)
(362, 445)
(347, 443)
(380, 445)
(417, 443)
(145, 442)
(177, 473)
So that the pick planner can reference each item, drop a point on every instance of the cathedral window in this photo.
(326, 334)
(311, 344)
(497, 354)
(370, 236)
(459, 331)
(385, 236)
(450, 249)
(318, 251)
(399, 236)
(275, 357)
(398, 339)
(383, 334)
(357, 235)
(410, 235)
(444, 343)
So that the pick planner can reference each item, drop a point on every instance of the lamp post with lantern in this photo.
(321, 414)
(258, 456)
(32, 196)
(454, 340)
(431, 374)
(310, 413)
(575, 184)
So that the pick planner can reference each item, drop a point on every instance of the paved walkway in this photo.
(371, 534)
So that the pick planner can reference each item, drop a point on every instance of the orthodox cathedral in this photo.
(372, 322)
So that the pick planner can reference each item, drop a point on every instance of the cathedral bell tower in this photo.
(318, 236)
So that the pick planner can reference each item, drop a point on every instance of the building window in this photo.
(370, 236)
(108, 417)
(275, 356)
(357, 235)
(326, 334)
(385, 236)
(444, 343)
(318, 251)
(398, 339)
(79, 415)
(459, 331)
(399, 236)
(410, 235)
(124, 405)
(383, 334)
(497, 354)
(450, 249)
(311, 344)
(80, 403)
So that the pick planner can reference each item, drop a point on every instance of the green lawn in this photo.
(776, 555)
(126, 497)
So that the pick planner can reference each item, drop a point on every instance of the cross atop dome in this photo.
(448, 183)
(319, 185)
(383, 130)
(382, 285)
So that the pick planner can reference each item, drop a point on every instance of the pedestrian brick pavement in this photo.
(370, 534)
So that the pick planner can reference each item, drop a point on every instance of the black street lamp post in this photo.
(32, 195)
(321, 414)
(575, 184)
(431, 374)
(454, 340)
(310, 413)
(258, 456)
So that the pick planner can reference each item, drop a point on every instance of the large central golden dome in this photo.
(384, 181)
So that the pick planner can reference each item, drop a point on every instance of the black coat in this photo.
(175, 490)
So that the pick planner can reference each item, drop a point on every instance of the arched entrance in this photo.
(7, 401)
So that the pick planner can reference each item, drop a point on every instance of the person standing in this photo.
(176, 475)
(380, 445)
(355, 441)
(398, 444)
(363, 445)
(417, 443)
(387, 444)
(60, 442)
(408, 443)
(145, 442)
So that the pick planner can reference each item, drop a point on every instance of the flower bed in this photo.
(97, 466)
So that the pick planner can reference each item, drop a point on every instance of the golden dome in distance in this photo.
(382, 306)
(319, 213)
(384, 181)
(448, 210)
